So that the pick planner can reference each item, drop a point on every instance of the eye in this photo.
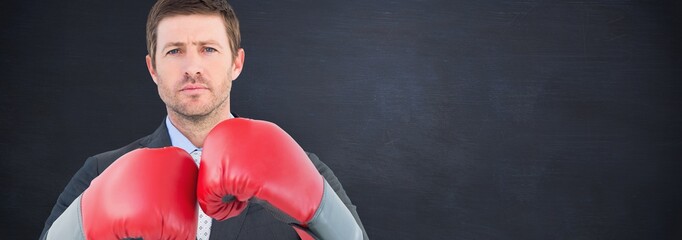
(210, 50)
(173, 52)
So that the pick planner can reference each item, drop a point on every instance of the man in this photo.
(194, 55)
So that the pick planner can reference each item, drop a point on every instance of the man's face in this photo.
(194, 64)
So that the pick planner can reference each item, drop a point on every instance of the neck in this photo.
(196, 128)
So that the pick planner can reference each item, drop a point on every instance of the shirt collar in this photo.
(179, 140)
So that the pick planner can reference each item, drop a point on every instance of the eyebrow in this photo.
(199, 43)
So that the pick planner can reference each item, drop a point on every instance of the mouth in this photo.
(193, 88)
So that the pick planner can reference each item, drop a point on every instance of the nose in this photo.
(193, 64)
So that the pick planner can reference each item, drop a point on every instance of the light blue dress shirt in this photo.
(179, 140)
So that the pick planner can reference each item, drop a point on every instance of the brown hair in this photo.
(167, 8)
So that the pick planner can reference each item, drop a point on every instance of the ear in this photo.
(151, 69)
(238, 64)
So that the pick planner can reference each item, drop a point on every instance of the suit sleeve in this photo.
(328, 174)
(79, 182)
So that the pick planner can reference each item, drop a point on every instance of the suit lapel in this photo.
(158, 138)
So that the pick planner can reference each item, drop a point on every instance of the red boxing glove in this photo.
(245, 159)
(146, 193)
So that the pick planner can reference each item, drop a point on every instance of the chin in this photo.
(192, 110)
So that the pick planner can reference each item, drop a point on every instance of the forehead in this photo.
(189, 28)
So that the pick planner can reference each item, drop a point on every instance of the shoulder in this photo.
(326, 172)
(321, 166)
(80, 181)
(103, 160)
(314, 158)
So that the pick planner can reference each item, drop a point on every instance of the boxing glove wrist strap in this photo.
(333, 220)
(68, 225)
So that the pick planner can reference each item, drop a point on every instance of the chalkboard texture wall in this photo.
(540, 119)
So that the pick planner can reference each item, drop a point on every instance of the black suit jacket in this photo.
(254, 222)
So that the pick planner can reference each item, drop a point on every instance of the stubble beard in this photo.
(197, 114)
